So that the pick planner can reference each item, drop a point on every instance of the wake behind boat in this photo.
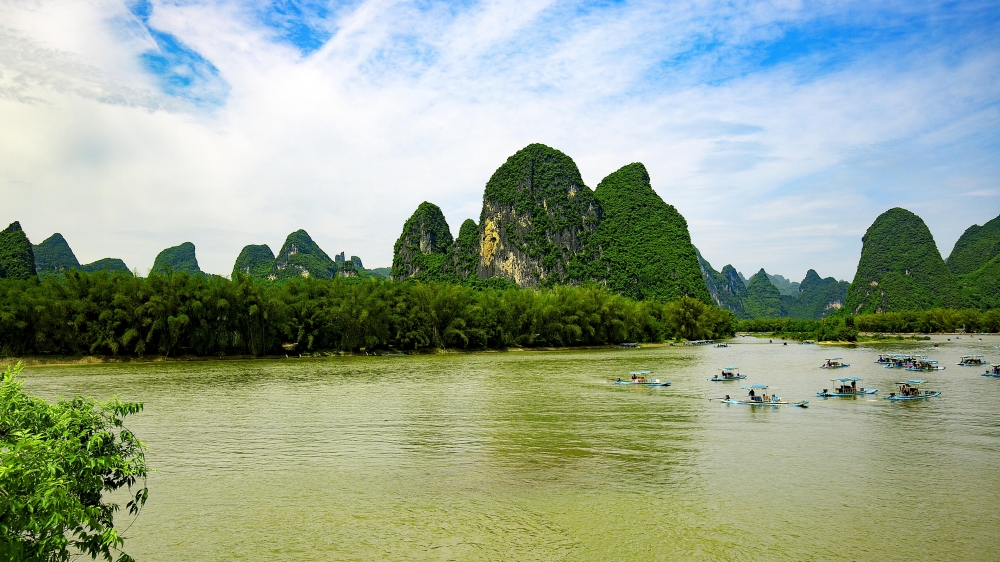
(728, 374)
(639, 378)
(848, 386)
(910, 390)
(758, 396)
(834, 363)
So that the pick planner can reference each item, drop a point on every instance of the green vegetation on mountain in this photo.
(465, 251)
(179, 258)
(106, 264)
(421, 252)
(816, 297)
(763, 299)
(54, 255)
(301, 257)
(981, 288)
(975, 248)
(63, 469)
(786, 287)
(900, 268)
(641, 247)
(537, 215)
(17, 258)
(179, 313)
(726, 288)
(257, 261)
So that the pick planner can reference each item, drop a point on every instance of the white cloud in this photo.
(781, 167)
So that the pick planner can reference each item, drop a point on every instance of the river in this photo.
(528, 455)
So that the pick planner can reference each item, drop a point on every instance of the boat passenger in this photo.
(635, 378)
(619, 379)
(751, 394)
(727, 397)
(854, 386)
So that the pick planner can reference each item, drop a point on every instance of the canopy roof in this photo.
(912, 382)
(834, 359)
(848, 379)
(755, 386)
(970, 356)
(639, 372)
(730, 368)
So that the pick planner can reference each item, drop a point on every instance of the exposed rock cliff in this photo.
(726, 287)
(537, 215)
(423, 247)
(301, 257)
(900, 268)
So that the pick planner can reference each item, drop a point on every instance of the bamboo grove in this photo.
(176, 314)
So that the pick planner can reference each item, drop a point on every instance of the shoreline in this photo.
(69, 361)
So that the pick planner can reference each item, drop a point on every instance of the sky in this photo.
(780, 130)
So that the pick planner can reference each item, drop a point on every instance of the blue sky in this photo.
(779, 129)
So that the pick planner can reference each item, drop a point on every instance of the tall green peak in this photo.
(301, 257)
(726, 288)
(54, 255)
(255, 260)
(900, 268)
(17, 257)
(763, 299)
(537, 215)
(641, 247)
(111, 265)
(465, 253)
(977, 246)
(422, 248)
(817, 297)
(177, 259)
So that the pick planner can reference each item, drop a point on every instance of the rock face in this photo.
(763, 299)
(54, 256)
(537, 215)
(178, 259)
(540, 225)
(423, 247)
(900, 268)
(301, 257)
(817, 297)
(17, 257)
(111, 265)
(975, 248)
(726, 288)
(257, 261)
(641, 247)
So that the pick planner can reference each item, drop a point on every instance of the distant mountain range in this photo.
(541, 226)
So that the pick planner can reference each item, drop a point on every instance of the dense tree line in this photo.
(846, 328)
(172, 314)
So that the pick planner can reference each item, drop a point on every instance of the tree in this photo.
(57, 463)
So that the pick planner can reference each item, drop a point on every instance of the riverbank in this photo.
(56, 361)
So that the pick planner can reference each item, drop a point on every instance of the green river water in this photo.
(536, 456)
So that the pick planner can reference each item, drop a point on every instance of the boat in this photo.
(639, 378)
(993, 371)
(909, 390)
(728, 374)
(629, 345)
(699, 342)
(762, 398)
(808, 342)
(885, 359)
(834, 363)
(848, 386)
(924, 365)
(902, 360)
(972, 361)
(722, 345)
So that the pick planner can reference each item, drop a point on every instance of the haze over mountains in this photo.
(541, 226)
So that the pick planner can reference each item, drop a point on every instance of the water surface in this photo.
(536, 456)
